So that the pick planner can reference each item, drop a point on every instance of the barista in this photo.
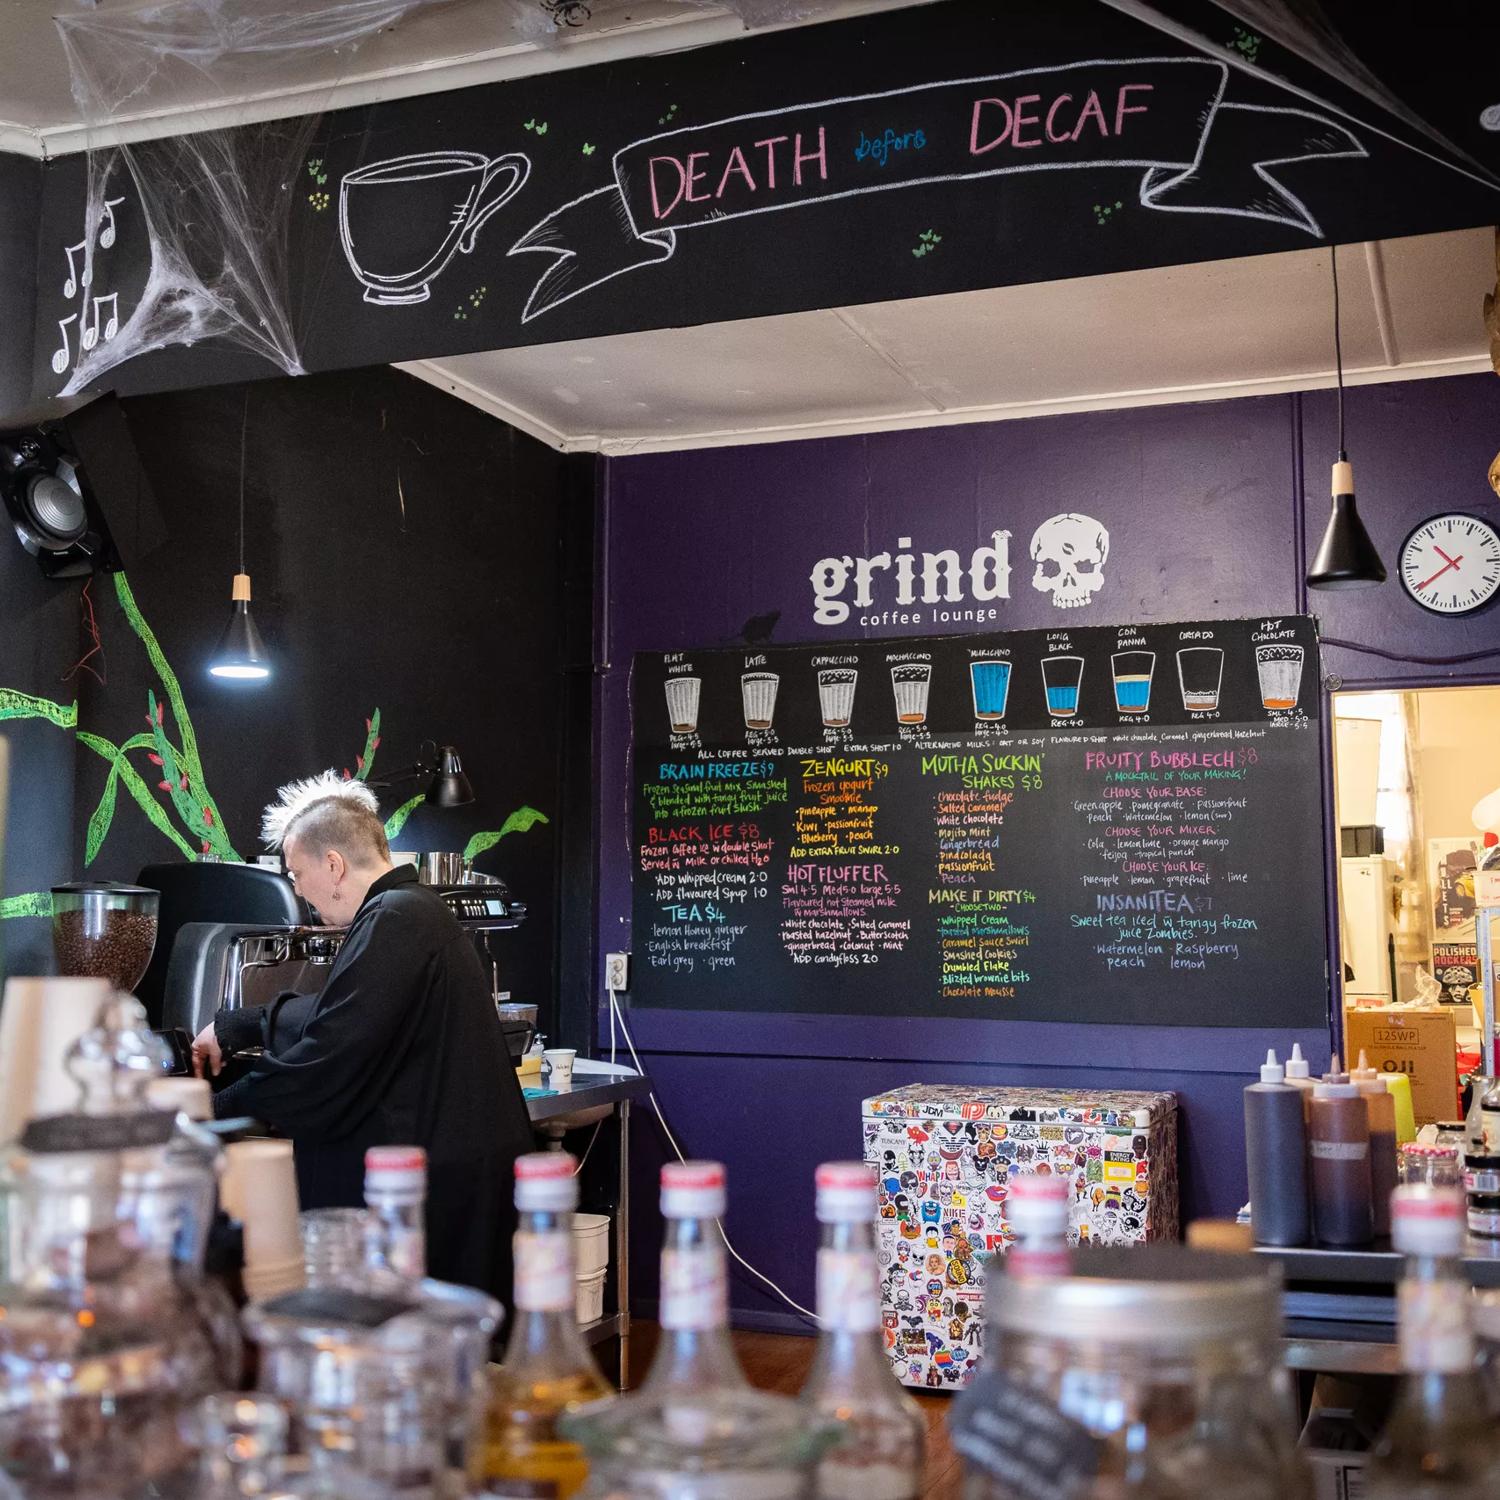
(402, 1046)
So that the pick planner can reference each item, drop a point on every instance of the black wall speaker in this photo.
(59, 480)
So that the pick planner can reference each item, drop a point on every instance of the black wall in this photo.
(20, 228)
(407, 553)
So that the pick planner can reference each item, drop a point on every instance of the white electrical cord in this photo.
(617, 1016)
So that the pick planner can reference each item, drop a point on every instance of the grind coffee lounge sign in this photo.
(1086, 823)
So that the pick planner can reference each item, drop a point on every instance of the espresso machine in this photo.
(235, 965)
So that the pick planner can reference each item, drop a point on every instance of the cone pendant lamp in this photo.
(241, 653)
(1346, 557)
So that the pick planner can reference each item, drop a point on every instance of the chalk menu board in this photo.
(1102, 824)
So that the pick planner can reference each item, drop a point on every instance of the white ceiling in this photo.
(1410, 308)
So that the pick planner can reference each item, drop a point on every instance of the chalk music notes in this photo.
(107, 224)
(97, 319)
(91, 330)
(74, 281)
(64, 356)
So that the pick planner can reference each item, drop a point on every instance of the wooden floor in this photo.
(778, 1362)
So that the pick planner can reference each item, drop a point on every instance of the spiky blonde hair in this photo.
(297, 798)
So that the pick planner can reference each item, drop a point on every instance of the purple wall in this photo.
(1205, 508)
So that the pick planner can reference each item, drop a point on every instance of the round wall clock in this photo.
(1451, 564)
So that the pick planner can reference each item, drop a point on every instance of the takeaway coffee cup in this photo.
(401, 221)
(560, 1060)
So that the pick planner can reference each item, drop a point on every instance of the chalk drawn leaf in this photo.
(518, 822)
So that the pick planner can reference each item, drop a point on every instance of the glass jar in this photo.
(104, 931)
(1153, 1371)
(333, 1245)
(110, 1331)
(390, 1376)
(722, 1444)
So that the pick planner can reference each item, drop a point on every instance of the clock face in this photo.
(1451, 564)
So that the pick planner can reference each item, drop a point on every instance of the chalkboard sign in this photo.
(1104, 824)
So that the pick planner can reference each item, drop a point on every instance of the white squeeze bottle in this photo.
(1299, 1076)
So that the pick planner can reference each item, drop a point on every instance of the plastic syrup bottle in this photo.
(1339, 1157)
(547, 1370)
(1276, 1156)
(1439, 1443)
(1383, 1164)
(881, 1453)
(1398, 1086)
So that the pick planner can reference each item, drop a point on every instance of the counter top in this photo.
(1377, 1266)
(594, 1085)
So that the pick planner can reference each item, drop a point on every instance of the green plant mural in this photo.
(14, 705)
(397, 820)
(175, 782)
(518, 822)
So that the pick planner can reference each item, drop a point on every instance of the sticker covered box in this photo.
(944, 1154)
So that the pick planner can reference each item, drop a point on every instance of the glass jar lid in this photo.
(1153, 1295)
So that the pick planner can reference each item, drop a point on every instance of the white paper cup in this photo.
(192, 1097)
(259, 1188)
(560, 1060)
(39, 1021)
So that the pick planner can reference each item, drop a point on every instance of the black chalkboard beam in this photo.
(1164, 119)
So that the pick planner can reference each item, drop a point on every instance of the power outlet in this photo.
(617, 971)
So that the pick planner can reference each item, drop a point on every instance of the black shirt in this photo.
(402, 1047)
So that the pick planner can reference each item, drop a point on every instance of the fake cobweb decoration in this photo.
(213, 203)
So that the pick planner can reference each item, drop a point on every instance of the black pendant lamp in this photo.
(1346, 557)
(241, 653)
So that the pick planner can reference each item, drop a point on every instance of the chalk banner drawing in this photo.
(1165, 117)
(403, 219)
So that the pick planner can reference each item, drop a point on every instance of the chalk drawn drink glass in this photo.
(910, 685)
(758, 693)
(1280, 671)
(682, 703)
(1133, 671)
(402, 220)
(990, 682)
(1200, 670)
(836, 695)
(1062, 677)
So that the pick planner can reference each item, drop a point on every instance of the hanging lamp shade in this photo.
(1346, 557)
(240, 652)
(450, 787)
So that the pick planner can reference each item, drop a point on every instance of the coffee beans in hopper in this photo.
(118, 952)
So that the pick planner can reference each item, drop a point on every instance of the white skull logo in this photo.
(1070, 552)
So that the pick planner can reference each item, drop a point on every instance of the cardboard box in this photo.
(1417, 1042)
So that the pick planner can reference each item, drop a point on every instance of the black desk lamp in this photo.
(447, 786)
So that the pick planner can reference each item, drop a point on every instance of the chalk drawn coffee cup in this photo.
(1200, 671)
(836, 695)
(682, 703)
(402, 220)
(1280, 671)
(758, 693)
(910, 686)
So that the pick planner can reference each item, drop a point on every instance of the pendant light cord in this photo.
(1338, 348)
(244, 428)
